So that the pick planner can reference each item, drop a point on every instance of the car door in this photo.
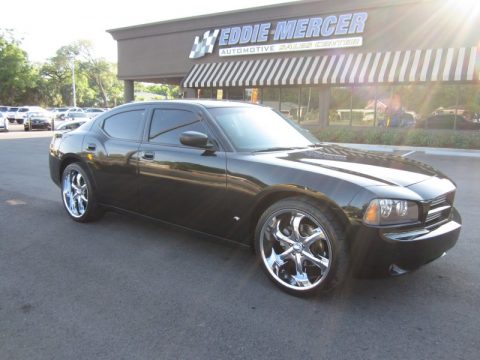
(181, 184)
(112, 155)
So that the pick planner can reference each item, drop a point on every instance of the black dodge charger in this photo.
(313, 212)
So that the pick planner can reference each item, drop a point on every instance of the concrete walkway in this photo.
(412, 149)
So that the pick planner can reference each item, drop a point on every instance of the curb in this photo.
(426, 150)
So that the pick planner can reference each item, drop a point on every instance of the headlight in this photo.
(390, 212)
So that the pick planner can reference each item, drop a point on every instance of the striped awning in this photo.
(409, 66)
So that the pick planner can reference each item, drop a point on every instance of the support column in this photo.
(129, 91)
(323, 105)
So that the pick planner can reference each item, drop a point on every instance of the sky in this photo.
(46, 25)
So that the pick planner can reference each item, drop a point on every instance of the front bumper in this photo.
(393, 252)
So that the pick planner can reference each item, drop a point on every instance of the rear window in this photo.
(126, 125)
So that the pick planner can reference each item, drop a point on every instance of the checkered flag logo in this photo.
(205, 45)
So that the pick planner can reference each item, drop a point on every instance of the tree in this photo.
(168, 91)
(17, 76)
(95, 78)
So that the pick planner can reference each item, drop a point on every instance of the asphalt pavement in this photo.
(128, 288)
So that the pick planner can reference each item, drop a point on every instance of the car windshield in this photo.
(13, 109)
(259, 129)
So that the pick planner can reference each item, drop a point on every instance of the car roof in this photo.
(202, 102)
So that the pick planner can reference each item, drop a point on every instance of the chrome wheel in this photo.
(295, 249)
(75, 193)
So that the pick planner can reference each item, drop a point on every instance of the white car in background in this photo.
(11, 113)
(61, 112)
(22, 112)
(3, 122)
(94, 112)
(75, 115)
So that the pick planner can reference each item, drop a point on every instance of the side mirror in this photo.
(195, 139)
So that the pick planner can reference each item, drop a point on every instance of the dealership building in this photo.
(322, 62)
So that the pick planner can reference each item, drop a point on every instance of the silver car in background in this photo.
(3, 121)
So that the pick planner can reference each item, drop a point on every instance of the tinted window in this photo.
(168, 125)
(126, 125)
(259, 128)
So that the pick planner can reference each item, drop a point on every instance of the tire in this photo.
(301, 246)
(78, 195)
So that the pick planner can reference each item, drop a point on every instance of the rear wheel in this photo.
(78, 194)
(301, 246)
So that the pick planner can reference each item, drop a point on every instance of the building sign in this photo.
(330, 32)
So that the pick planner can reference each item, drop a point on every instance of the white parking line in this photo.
(409, 153)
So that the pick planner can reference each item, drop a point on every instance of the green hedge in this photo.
(409, 137)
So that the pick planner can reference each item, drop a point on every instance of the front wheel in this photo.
(301, 246)
(78, 194)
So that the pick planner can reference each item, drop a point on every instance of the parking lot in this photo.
(128, 288)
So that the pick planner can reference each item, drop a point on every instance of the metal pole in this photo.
(456, 107)
(351, 106)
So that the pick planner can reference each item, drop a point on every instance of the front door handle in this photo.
(148, 155)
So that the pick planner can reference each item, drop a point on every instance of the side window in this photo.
(126, 125)
(168, 124)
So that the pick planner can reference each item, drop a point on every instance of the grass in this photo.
(389, 136)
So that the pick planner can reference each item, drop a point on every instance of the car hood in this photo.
(376, 168)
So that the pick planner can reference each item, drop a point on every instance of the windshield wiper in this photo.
(280, 148)
(315, 145)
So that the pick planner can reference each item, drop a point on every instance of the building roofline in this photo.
(257, 14)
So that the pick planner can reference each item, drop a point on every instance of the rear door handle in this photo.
(91, 147)
(148, 155)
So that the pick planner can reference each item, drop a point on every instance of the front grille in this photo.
(439, 210)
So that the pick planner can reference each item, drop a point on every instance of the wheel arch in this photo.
(74, 158)
(277, 193)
